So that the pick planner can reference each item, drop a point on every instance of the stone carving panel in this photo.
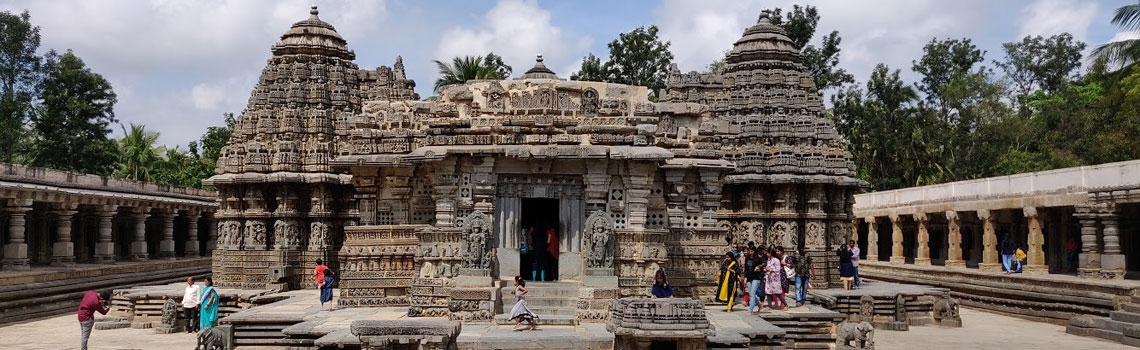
(599, 236)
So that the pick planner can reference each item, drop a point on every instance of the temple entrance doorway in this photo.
(541, 230)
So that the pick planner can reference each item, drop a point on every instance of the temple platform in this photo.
(46, 291)
(1042, 297)
(890, 306)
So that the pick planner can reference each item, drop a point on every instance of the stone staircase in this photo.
(555, 303)
(1121, 325)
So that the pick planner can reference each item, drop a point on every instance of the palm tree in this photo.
(467, 68)
(137, 153)
(1127, 51)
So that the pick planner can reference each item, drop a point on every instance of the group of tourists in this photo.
(199, 307)
(763, 275)
(540, 248)
(849, 264)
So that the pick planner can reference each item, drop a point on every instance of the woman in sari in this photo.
(774, 283)
(726, 280)
(208, 314)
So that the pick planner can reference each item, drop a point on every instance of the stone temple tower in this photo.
(793, 184)
(281, 203)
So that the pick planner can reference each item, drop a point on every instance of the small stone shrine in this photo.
(435, 204)
(640, 323)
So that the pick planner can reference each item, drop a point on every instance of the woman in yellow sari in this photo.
(726, 280)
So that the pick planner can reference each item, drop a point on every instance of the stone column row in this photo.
(63, 249)
(955, 258)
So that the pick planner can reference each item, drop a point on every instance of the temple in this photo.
(435, 204)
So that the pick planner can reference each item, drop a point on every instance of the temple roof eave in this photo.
(794, 178)
(435, 153)
(280, 176)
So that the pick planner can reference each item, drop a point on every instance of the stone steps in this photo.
(534, 301)
(1130, 307)
(543, 320)
(1124, 316)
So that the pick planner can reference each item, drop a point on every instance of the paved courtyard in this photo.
(982, 330)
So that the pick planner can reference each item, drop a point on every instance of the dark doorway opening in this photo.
(541, 231)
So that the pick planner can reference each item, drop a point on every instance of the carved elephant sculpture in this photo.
(855, 335)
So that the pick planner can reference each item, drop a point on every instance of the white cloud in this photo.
(178, 65)
(891, 32)
(1049, 17)
(517, 30)
(1126, 35)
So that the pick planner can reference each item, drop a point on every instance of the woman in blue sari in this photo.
(208, 314)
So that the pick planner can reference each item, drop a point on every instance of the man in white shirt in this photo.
(190, 299)
(854, 259)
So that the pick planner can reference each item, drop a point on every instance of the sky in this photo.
(178, 65)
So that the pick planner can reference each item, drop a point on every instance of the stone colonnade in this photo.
(1099, 251)
(50, 217)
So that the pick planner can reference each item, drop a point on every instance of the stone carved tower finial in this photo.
(313, 10)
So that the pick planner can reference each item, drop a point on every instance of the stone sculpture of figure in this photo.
(212, 339)
(589, 102)
(867, 308)
(476, 234)
(854, 335)
(169, 313)
(600, 239)
(318, 235)
(946, 312)
(900, 309)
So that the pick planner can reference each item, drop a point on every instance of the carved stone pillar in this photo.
(1112, 261)
(63, 250)
(637, 194)
(872, 239)
(1036, 239)
(989, 242)
(166, 244)
(16, 249)
(212, 242)
(446, 184)
(954, 240)
(897, 256)
(922, 240)
(192, 233)
(1090, 250)
(104, 244)
(138, 241)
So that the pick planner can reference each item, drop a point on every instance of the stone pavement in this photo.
(62, 332)
(985, 330)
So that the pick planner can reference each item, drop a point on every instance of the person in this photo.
(208, 308)
(552, 250)
(774, 282)
(1021, 258)
(191, 296)
(92, 302)
(661, 288)
(327, 290)
(753, 274)
(520, 312)
(854, 259)
(1007, 250)
(319, 272)
(786, 269)
(846, 271)
(1071, 251)
(726, 280)
(803, 278)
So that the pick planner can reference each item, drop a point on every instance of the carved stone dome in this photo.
(539, 71)
(312, 36)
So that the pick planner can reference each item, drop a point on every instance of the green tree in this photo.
(640, 58)
(823, 61)
(467, 68)
(1041, 63)
(592, 69)
(74, 118)
(137, 153)
(214, 139)
(879, 128)
(19, 75)
(942, 62)
(1124, 52)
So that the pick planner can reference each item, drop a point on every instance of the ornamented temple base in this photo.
(892, 306)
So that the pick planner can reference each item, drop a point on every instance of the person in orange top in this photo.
(319, 272)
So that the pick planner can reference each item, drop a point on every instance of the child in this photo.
(326, 289)
(520, 312)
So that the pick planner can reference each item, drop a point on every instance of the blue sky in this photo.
(177, 65)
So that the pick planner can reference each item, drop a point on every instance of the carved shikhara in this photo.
(330, 161)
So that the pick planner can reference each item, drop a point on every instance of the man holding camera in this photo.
(92, 302)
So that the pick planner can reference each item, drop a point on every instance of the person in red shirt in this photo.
(319, 272)
(92, 302)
